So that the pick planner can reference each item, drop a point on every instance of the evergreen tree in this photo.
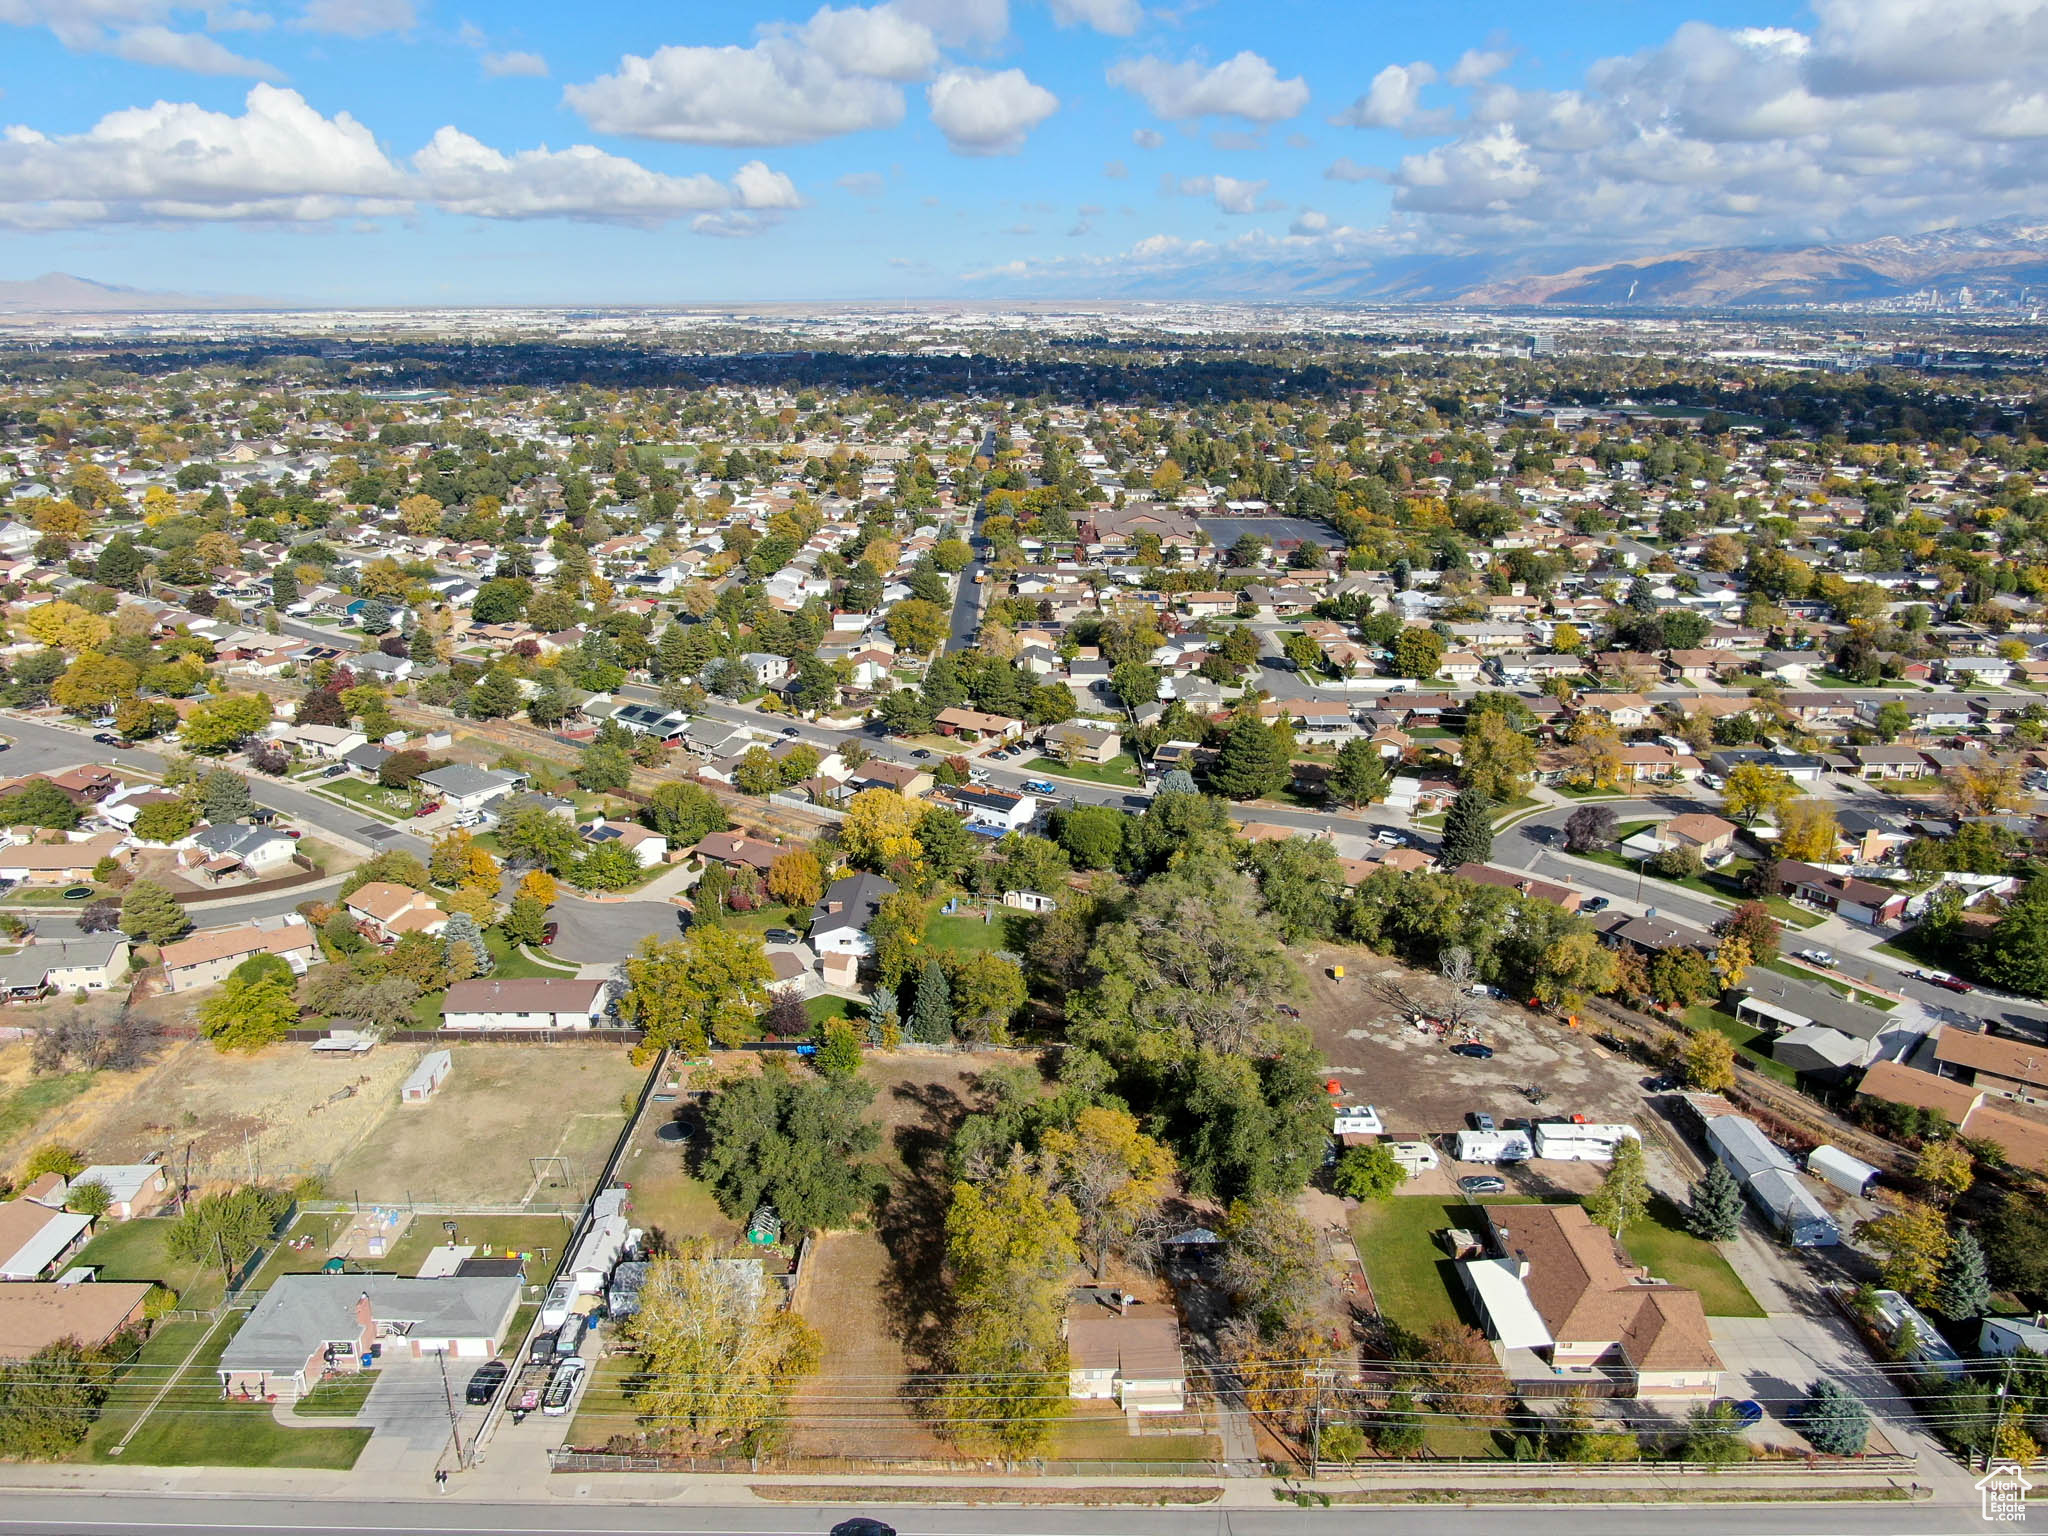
(463, 929)
(224, 796)
(931, 1022)
(1468, 830)
(1965, 1289)
(1360, 775)
(151, 913)
(420, 646)
(284, 587)
(1833, 1421)
(1715, 1211)
(672, 654)
(1252, 762)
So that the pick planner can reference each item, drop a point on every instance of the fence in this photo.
(426, 1208)
(489, 1036)
(310, 874)
(1879, 1465)
(564, 1460)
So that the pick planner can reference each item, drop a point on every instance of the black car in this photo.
(483, 1386)
(778, 936)
(790, 730)
(862, 1526)
(1473, 1049)
(1594, 904)
(921, 753)
(104, 738)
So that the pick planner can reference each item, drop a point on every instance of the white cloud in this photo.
(1310, 221)
(863, 183)
(501, 65)
(359, 18)
(1245, 86)
(1119, 18)
(1479, 64)
(1344, 168)
(1393, 98)
(960, 23)
(756, 186)
(984, 113)
(1231, 195)
(172, 161)
(461, 175)
(192, 51)
(1115, 170)
(1147, 138)
(836, 74)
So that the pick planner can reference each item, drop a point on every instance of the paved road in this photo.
(119, 1513)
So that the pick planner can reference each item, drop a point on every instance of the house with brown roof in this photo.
(736, 851)
(493, 1002)
(34, 1314)
(1860, 901)
(1994, 1064)
(205, 959)
(975, 724)
(59, 863)
(386, 912)
(1567, 1305)
(1135, 1360)
(1521, 883)
(1711, 835)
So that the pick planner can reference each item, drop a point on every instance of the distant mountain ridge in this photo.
(61, 293)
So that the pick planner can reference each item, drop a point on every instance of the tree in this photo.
(1714, 1213)
(1360, 775)
(1009, 1246)
(1707, 1061)
(50, 1400)
(1834, 1422)
(462, 940)
(93, 683)
(1713, 1435)
(224, 1229)
(1946, 1166)
(1092, 835)
(1299, 878)
(1252, 761)
(525, 921)
(1807, 830)
(685, 814)
(1272, 1263)
(1681, 977)
(1368, 1173)
(718, 1356)
(1753, 924)
(458, 860)
(986, 991)
(685, 993)
(2015, 956)
(931, 1021)
(897, 932)
(1302, 652)
(224, 795)
(90, 1197)
(1497, 758)
(880, 832)
(217, 725)
(53, 1157)
(495, 696)
(539, 836)
(1418, 653)
(1911, 1241)
(39, 803)
(796, 1143)
(1965, 1290)
(918, 627)
(246, 1015)
(1117, 1177)
(795, 878)
(149, 912)
(839, 1054)
(607, 866)
(1623, 1197)
(1753, 790)
(1589, 829)
(1468, 830)
(166, 821)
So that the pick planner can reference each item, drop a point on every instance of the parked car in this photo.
(861, 1525)
(1819, 957)
(104, 738)
(483, 1386)
(428, 809)
(293, 833)
(334, 771)
(562, 1387)
(549, 932)
(1953, 984)
(1473, 1049)
(1746, 1410)
(1480, 1122)
(778, 936)
(1482, 1184)
(922, 753)
(1595, 904)
(790, 730)
(569, 1337)
(1388, 837)
(1040, 787)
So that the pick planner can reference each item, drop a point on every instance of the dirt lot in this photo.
(279, 1114)
(502, 1106)
(1420, 1088)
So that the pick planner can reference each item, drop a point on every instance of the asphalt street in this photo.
(112, 1513)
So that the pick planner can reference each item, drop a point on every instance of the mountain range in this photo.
(62, 294)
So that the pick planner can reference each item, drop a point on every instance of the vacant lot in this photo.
(1416, 1083)
(855, 1405)
(279, 1114)
(502, 1107)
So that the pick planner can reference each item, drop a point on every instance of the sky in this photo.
(429, 152)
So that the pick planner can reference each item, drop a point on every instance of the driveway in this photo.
(409, 1405)
(605, 932)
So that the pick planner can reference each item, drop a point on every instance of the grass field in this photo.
(1412, 1277)
(194, 1426)
(371, 799)
(492, 1236)
(603, 1410)
(1660, 1243)
(966, 931)
(134, 1250)
(340, 1398)
(822, 1009)
(23, 1106)
(1120, 772)
(1745, 1036)
(323, 1227)
(1087, 1433)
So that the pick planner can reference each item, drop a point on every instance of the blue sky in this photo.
(414, 151)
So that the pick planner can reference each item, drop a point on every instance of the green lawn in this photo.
(1085, 1435)
(1412, 1277)
(194, 1426)
(1745, 1036)
(1660, 1243)
(493, 1235)
(22, 1107)
(603, 1410)
(134, 1250)
(53, 895)
(339, 1397)
(137, 1383)
(322, 1226)
(1120, 771)
(510, 963)
(389, 804)
(823, 1008)
(966, 930)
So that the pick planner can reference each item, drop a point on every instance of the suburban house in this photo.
(36, 1314)
(907, 779)
(839, 923)
(222, 850)
(1816, 1029)
(1076, 741)
(58, 863)
(138, 1189)
(206, 958)
(648, 848)
(1522, 883)
(463, 788)
(1993, 1064)
(96, 963)
(1569, 1309)
(998, 810)
(1858, 900)
(387, 911)
(2022, 1133)
(736, 851)
(309, 1325)
(551, 1002)
(1710, 835)
(35, 1238)
(974, 725)
(1651, 936)
(1135, 1361)
(329, 743)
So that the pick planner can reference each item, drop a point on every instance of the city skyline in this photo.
(400, 152)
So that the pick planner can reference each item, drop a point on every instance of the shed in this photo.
(1799, 1218)
(1850, 1174)
(427, 1078)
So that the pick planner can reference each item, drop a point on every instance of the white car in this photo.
(1387, 837)
(1819, 957)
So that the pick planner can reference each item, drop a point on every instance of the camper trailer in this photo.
(1581, 1143)
(1494, 1147)
(1417, 1157)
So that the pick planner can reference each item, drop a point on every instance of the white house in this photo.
(839, 923)
(998, 809)
(464, 788)
(647, 847)
(1134, 1360)
(138, 1188)
(541, 1003)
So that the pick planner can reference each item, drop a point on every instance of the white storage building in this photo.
(1849, 1174)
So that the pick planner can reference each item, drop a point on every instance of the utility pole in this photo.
(448, 1392)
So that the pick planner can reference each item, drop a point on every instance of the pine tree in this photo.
(420, 646)
(463, 929)
(1833, 1421)
(931, 1022)
(1360, 774)
(1252, 762)
(1468, 830)
(1965, 1289)
(1715, 1212)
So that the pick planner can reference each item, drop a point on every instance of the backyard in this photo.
(1746, 1038)
(1120, 772)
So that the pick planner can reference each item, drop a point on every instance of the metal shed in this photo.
(427, 1078)
(1849, 1174)
(1771, 1180)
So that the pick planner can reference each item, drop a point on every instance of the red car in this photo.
(1953, 984)
(548, 933)
(428, 809)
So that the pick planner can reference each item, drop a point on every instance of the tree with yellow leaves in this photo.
(538, 885)
(1592, 760)
(459, 860)
(1911, 1240)
(1807, 830)
(65, 519)
(1733, 960)
(474, 900)
(421, 514)
(1947, 1166)
(93, 683)
(880, 831)
(1117, 1177)
(66, 627)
